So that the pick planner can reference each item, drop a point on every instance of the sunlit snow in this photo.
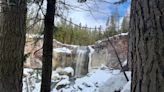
(100, 80)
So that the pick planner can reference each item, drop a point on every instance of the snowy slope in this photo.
(100, 80)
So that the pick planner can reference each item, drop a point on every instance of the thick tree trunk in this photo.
(12, 41)
(146, 45)
(48, 46)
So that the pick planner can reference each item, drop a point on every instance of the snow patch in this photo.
(125, 63)
(115, 83)
(74, 46)
(63, 82)
(66, 70)
(126, 87)
(27, 71)
(63, 50)
(34, 36)
(124, 34)
(69, 70)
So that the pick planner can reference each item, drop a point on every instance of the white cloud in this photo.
(90, 13)
(96, 13)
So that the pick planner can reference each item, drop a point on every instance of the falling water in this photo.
(82, 61)
(90, 58)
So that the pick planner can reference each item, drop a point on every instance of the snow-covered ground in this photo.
(63, 49)
(100, 80)
(122, 34)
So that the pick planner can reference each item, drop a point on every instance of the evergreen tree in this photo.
(78, 35)
(111, 30)
(125, 24)
(116, 19)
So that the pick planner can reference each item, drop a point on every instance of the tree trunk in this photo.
(146, 45)
(48, 46)
(12, 41)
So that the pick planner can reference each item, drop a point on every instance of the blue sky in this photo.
(98, 12)
(91, 13)
(123, 8)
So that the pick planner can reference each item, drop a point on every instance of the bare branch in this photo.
(109, 41)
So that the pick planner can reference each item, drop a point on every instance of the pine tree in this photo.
(111, 30)
(116, 19)
(125, 24)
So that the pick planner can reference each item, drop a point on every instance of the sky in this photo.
(94, 12)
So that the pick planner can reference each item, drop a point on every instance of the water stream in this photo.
(82, 60)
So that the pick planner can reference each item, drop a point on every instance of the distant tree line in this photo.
(113, 25)
(71, 34)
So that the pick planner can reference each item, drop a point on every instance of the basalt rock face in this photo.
(60, 59)
(34, 54)
(104, 52)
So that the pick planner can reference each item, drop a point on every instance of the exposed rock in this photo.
(33, 47)
(104, 52)
(60, 59)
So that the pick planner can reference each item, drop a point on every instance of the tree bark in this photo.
(146, 45)
(12, 41)
(48, 46)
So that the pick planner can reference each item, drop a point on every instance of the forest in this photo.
(81, 46)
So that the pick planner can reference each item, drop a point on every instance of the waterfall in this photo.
(82, 61)
(90, 58)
